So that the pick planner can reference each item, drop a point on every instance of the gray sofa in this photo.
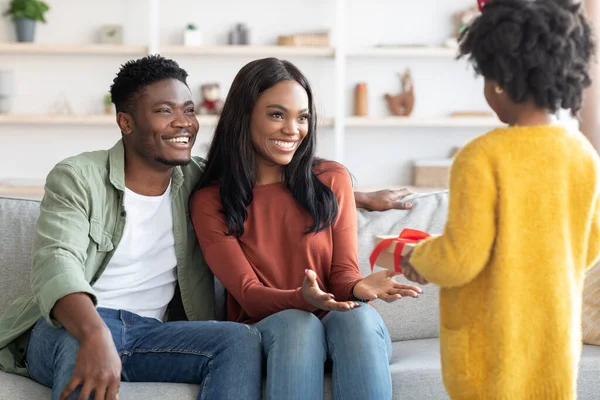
(413, 323)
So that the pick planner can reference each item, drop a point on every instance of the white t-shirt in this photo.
(141, 276)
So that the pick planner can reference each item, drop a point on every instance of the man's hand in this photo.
(318, 298)
(381, 285)
(383, 200)
(97, 365)
(97, 368)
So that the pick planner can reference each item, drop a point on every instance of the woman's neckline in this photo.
(269, 185)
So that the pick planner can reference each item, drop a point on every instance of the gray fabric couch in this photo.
(413, 323)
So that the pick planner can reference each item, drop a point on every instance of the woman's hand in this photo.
(317, 298)
(381, 285)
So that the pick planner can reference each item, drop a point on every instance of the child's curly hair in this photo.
(538, 49)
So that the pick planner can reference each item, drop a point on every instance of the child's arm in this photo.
(593, 254)
(462, 251)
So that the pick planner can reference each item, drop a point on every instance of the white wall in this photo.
(377, 157)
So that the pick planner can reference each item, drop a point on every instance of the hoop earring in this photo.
(499, 90)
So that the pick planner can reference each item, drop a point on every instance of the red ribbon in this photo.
(406, 236)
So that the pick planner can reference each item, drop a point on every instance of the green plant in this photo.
(29, 9)
(107, 99)
(191, 27)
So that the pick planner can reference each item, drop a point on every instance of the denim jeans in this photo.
(223, 357)
(296, 345)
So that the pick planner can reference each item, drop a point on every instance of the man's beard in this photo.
(172, 163)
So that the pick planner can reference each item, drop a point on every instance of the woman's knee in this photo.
(361, 321)
(358, 330)
(295, 328)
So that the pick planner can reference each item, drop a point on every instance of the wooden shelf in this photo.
(266, 51)
(424, 51)
(22, 190)
(100, 120)
(276, 51)
(26, 119)
(73, 49)
(211, 120)
(435, 122)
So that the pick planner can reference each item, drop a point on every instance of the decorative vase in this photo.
(361, 100)
(25, 29)
(192, 38)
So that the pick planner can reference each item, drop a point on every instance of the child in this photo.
(524, 214)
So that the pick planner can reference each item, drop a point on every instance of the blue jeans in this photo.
(296, 345)
(223, 357)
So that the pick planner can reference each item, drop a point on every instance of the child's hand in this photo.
(409, 271)
(413, 276)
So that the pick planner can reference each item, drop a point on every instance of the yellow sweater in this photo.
(522, 229)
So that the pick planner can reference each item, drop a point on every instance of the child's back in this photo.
(511, 263)
(524, 214)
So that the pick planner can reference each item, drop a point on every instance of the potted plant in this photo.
(192, 36)
(25, 14)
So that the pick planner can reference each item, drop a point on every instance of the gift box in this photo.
(389, 250)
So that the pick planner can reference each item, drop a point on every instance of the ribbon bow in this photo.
(482, 4)
(406, 236)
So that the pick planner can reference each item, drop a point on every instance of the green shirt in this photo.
(80, 225)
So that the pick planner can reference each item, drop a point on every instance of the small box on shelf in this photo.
(432, 173)
(320, 39)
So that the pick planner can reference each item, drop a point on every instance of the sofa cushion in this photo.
(415, 369)
(17, 222)
(407, 318)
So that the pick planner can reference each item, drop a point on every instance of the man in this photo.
(115, 255)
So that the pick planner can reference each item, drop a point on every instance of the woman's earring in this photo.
(499, 90)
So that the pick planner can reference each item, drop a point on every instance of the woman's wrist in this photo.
(354, 298)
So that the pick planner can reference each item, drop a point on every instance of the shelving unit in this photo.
(255, 51)
(72, 49)
(434, 122)
(211, 120)
(341, 56)
(413, 51)
(26, 119)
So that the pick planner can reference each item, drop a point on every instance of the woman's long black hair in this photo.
(231, 157)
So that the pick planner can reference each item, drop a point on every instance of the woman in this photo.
(276, 225)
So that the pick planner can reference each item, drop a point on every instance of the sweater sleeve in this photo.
(228, 262)
(458, 255)
(344, 267)
(593, 253)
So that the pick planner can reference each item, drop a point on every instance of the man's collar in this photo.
(116, 168)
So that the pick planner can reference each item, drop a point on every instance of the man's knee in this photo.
(51, 354)
(241, 335)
